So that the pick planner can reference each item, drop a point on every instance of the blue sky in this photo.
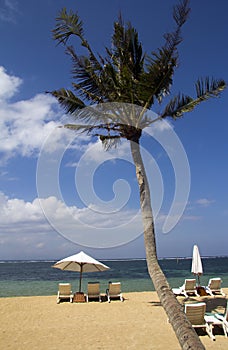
(57, 190)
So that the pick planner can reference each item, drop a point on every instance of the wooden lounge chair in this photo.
(65, 292)
(214, 287)
(114, 291)
(196, 315)
(93, 291)
(188, 288)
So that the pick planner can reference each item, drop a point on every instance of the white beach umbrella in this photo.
(197, 268)
(80, 262)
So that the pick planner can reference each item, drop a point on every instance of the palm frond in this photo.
(87, 76)
(102, 131)
(181, 12)
(177, 106)
(68, 100)
(83, 92)
(126, 54)
(206, 88)
(160, 68)
(161, 64)
(181, 104)
(70, 24)
(67, 24)
(77, 127)
(180, 15)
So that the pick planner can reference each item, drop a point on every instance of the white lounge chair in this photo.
(114, 291)
(224, 319)
(196, 315)
(188, 288)
(214, 287)
(93, 291)
(65, 292)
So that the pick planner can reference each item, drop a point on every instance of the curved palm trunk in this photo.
(186, 335)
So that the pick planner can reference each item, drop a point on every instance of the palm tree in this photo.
(126, 75)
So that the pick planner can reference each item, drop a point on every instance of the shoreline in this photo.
(38, 322)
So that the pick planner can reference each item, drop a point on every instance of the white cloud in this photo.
(15, 211)
(9, 84)
(79, 225)
(204, 202)
(26, 124)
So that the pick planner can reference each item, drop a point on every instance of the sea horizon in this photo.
(116, 259)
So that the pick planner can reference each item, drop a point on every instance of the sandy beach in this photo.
(137, 323)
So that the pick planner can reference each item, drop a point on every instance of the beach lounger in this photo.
(93, 291)
(188, 288)
(196, 315)
(214, 287)
(65, 292)
(224, 319)
(114, 291)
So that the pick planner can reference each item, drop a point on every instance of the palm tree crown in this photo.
(125, 75)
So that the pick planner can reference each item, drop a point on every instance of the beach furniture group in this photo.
(196, 311)
(93, 292)
(190, 288)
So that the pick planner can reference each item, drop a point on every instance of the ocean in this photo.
(27, 278)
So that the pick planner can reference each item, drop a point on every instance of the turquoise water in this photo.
(24, 278)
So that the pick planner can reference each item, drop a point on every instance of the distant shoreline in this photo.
(121, 259)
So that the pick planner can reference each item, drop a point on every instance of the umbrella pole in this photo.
(80, 280)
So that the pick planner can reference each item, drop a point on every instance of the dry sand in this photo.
(138, 323)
